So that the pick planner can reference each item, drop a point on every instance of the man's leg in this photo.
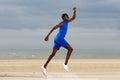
(70, 49)
(66, 45)
(50, 57)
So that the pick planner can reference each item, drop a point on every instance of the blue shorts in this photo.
(60, 42)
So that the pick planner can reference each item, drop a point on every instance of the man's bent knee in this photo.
(71, 49)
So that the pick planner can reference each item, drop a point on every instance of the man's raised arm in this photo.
(74, 15)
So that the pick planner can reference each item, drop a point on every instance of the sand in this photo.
(80, 69)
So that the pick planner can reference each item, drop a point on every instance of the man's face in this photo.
(66, 18)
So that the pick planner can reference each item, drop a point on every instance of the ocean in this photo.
(61, 54)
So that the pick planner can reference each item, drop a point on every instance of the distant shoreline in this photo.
(43, 54)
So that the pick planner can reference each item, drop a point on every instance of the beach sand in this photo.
(80, 69)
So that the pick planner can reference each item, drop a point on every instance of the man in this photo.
(59, 40)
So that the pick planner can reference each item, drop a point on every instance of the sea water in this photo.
(61, 54)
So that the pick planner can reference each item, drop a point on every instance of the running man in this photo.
(59, 40)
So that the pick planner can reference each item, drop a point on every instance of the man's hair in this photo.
(63, 15)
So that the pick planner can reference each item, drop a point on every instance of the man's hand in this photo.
(46, 38)
(74, 9)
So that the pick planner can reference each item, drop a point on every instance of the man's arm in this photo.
(54, 28)
(74, 15)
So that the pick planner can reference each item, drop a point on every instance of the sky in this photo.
(25, 23)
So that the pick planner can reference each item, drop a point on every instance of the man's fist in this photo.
(74, 8)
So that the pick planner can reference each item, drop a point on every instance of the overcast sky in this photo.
(24, 23)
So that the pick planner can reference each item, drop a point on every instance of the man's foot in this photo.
(44, 71)
(65, 67)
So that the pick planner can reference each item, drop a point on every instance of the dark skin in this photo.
(69, 48)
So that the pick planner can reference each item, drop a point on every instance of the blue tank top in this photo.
(62, 30)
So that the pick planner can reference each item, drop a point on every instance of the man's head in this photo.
(65, 17)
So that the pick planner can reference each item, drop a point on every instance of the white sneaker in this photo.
(44, 71)
(65, 67)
